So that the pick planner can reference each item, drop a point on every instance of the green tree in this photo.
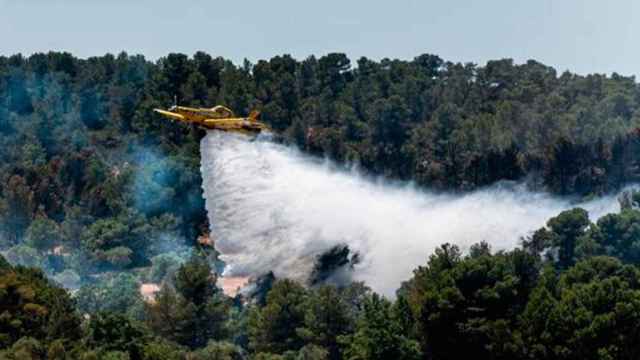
(470, 305)
(326, 318)
(119, 293)
(312, 352)
(19, 208)
(43, 234)
(25, 348)
(273, 328)
(32, 307)
(219, 351)
(195, 281)
(105, 234)
(617, 235)
(567, 228)
(378, 335)
(115, 332)
(196, 313)
(159, 349)
(590, 310)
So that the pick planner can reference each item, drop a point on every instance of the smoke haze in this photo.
(272, 208)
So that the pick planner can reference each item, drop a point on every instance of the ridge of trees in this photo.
(85, 160)
(533, 302)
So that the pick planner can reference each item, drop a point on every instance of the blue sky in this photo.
(582, 36)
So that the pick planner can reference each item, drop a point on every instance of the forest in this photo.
(99, 196)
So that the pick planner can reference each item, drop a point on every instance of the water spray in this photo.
(273, 208)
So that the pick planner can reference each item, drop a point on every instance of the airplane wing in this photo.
(170, 114)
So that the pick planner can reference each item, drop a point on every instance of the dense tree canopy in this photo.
(105, 197)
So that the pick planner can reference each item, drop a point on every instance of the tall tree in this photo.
(274, 327)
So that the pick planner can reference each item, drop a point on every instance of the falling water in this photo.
(273, 208)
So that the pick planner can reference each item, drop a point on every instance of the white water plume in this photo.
(272, 208)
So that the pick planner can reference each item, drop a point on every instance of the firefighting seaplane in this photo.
(216, 118)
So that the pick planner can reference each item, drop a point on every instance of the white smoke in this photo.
(273, 208)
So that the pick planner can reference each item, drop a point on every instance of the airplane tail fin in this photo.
(253, 116)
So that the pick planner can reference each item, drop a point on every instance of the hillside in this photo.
(103, 196)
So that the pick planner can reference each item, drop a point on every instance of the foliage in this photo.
(273, 328)
(378, 335)
(326, 318)
(590, 309)
(119, 293)
(219, 351)
(34, 310)
(195, 313)
(42, 234)
(115, 332)
(96, 192)
(469, 305)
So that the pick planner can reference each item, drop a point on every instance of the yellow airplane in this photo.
(217, 118)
